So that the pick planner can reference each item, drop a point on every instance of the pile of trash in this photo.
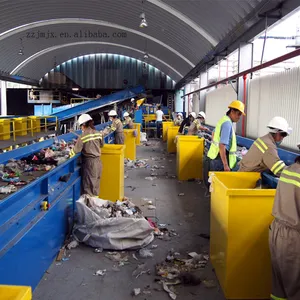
(134, 164)
(241, 152)
(175, 270)
(113, 226)
(45, 160)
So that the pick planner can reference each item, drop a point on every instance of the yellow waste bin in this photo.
(112, 178)
(4, 129)
(20, 126)
(165, 126)
(11, 292)
(34, 124)
(239, 228)
(130, 147)
(189, 160)
(137, 127)
(171, 135)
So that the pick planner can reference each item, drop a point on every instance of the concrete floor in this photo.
(188, 215)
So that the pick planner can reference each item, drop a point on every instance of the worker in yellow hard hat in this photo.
(222, 152)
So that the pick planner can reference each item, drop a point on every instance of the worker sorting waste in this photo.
(89, 144)
(159, 118)
(116, 127)
(178, 120)
(263, 154)
(284, 237)
(128, 121)
(222, 152)
(196, 124)
(183, 129)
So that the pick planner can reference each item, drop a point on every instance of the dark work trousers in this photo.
(158, 128)
(91, 174)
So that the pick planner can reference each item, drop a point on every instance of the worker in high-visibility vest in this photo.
(116, 127)
(284, 235)
(222, 152)
(89, 144)
(263, 154)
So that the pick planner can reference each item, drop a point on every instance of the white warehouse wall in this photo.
(217, 102)
(275, 95)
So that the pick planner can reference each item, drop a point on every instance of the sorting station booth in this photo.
(28, 238)
(189, 159)
(130, 139)
(137, 127)
(112, 178)
(239, 228)
(165, 126)
(172, 132)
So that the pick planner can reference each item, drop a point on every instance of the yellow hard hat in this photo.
(236, 104)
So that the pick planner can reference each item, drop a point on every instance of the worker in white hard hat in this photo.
(89, 143)
(128, 121)
(263, 154)
(116, 127)
(284, 235)
(196, 125)
(178, 120)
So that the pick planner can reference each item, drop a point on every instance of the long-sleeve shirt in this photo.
(117, 126)
(128, 121)
(89, 143)
(262, 156)
(185, 122)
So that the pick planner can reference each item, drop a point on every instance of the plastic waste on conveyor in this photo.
(88, 106)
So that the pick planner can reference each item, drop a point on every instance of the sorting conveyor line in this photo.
(98, 103)
(30, 238)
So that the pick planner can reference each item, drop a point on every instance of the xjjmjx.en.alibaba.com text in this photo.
(78, 34)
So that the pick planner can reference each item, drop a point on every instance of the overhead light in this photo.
(143, 23)
(21, 47)
(75, 89)
(146, 56)
(21, 51)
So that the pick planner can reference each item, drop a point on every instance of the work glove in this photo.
(72, 153)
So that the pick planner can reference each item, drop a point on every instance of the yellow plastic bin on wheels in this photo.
(20, 126)
(137, 127)
(12, 292)
(34, 124)
(172, 133)
(130, 146)
(165, 126)
(189, 159)
(112, 178)
(4, 129)
(239, 232)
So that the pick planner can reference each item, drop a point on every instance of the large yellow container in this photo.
(130, 147)
(112, 178)
(137, 127)
(165, 126)
(35, 122)
(189, 161)
(171, 135)
(21, 126)
(239, 228)
(150, 117)
(4, 129)
(11, 292)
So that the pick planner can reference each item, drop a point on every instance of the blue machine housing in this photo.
(29, 237)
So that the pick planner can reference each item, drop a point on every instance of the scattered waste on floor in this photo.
(154, 246)
(136, 292)
(189, 215)
(209, 283)
(205, 236)
(151, 207)
(145, 253)
(98, 250)
(140, 270)
(111, 225)
(134, 164)
(170, 291)
(181, 194)
(72, 245)
(151, 178)
(134, 256)
(100, 273)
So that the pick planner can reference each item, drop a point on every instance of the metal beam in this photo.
(18, 79)
(251, 70)
(248, 28)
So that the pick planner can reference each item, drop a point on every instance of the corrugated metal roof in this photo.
(171, 35)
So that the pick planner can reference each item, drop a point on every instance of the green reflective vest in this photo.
(214, 147)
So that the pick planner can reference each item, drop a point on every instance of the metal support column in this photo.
(203, 82)
(245, 61)
(3, 98)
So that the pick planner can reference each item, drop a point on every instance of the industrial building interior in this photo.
(156, 229)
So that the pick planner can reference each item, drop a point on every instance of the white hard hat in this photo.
(193, 114)
(202, 114)
(298, 145)
(279, 124)
(112, 113)
(126, 114)
(132, 99)
(84, 118)
(180, 114)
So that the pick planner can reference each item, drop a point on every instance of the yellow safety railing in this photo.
(34, 127)
(80, 100)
